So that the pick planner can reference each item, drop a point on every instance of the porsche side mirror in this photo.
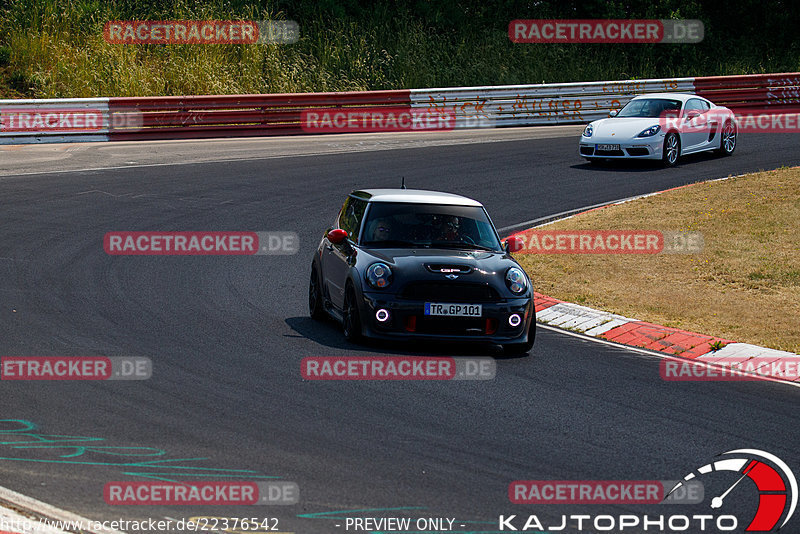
(613, 113)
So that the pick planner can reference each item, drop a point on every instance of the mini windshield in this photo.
(649, 107)
(429, 226)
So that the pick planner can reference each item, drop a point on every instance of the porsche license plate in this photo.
(606, 148)
(453, 310)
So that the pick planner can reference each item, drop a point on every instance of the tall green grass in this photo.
(55, 48)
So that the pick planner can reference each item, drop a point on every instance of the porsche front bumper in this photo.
(637, 148)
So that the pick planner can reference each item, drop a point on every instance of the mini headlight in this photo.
(379, 275)
(516, 281)
(588, 131)
(650, 132)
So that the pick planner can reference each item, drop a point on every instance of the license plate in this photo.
(606, 148)
(453, 310)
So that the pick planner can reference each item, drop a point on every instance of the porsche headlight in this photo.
(588, 131)
(379, 275)
(650, 132)
(516, 281)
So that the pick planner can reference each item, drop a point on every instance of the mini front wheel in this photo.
(315, 304)
(352, 321)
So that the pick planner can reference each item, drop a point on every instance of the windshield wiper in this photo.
(466, 246)
(387, 243)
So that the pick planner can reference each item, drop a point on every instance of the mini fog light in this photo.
(514, 319)
(382, 315)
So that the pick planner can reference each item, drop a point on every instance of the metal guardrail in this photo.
(186, 117)
(54, 120)
(751, 93)
(527, 105)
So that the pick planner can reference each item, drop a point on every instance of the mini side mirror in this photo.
(337, 236)
(513, 244)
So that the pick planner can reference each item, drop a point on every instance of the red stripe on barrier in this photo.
(194, 117)
(748, 80)
(751, 93)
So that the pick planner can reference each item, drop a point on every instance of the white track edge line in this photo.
(577, 211)
(660, 355)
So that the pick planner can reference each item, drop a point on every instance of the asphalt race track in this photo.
(226, 335)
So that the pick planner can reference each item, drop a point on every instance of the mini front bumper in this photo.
(407, 320)
(636, 148)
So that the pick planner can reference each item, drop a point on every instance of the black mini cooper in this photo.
(411, 264)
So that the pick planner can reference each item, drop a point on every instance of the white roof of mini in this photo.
(416, 196)
(683, 97)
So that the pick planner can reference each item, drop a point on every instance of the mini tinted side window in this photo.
(351, 215)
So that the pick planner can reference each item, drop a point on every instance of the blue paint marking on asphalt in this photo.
(165, 469)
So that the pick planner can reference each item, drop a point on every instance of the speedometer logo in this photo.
(777, 486)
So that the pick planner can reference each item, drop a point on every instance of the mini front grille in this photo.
(448, 268)
(445, 291)
(453, 326)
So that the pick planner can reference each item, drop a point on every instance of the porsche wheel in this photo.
(727, 141)
(672, 149)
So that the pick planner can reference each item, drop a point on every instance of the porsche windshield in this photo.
(649, 107)
(429, 226)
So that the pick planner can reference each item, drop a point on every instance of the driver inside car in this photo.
(382, 230)
(447, 227)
